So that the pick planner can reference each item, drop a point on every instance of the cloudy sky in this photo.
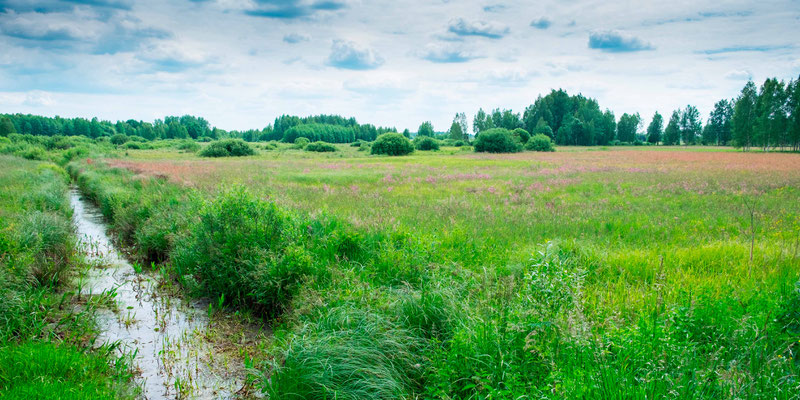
(240, 63)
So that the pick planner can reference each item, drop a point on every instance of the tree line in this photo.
(767, 117)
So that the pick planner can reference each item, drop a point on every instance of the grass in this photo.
(585, 273)
(45, 335)
(44, 370)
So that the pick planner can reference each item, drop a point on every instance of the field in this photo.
(618, 272)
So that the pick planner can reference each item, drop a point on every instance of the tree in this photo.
(481, 122)
(744, 116)
(672, 134)
(718, 128)
(176, 131)
(6, 127)
(462, 122)
(627, 127)
(690, 125)
(793, 105)
(543, 128)
(770, 119)
(407, 133)
(426, 129)
(458, 127)
(655, 129)
(607, 128)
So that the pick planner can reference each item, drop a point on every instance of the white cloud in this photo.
(396, 63)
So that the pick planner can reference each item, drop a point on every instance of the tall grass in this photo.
(453, 290)
(43, 370)
(347, 353)
(43, 339)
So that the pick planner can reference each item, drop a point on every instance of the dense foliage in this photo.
(392, 144)
(227, 148)
(540, 142)
(320, 147)
(497, 140)
(426, 143)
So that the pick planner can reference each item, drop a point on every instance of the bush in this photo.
(188, 145)
(136, 146)
(426, 143)
(245, 249)
(118, 139)
(392, 144)
(365, 146)
(540, 142)
(522, 135)
(301, 143)
(227, 148)
(458, 143)
(497, 140)
(320, 147)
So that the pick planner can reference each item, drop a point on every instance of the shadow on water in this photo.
(166, 335)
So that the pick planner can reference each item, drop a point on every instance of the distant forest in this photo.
(765, 118)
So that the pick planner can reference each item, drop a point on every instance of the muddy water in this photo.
(166, 334)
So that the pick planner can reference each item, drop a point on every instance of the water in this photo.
(173, 356)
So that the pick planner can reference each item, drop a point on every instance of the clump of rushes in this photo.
(347, 353)
(38, 370)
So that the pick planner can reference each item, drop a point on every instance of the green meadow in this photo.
(585, 273)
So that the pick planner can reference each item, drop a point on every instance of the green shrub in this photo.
(188, 145)
(365, 146)
(522, 135)
(426, 143)
(301, 143)
(119, 139)
(244, 249)
(136, 146)
(540, 142)
(347, 354)
(392, 144)
(497, 140)
(32, 152)
(320, 147)
(227, 148)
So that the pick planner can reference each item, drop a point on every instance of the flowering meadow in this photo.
(586, 273)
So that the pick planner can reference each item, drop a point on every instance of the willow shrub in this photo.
(245, 250)
(227, 148)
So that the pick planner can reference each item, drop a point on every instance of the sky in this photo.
(241, 63)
